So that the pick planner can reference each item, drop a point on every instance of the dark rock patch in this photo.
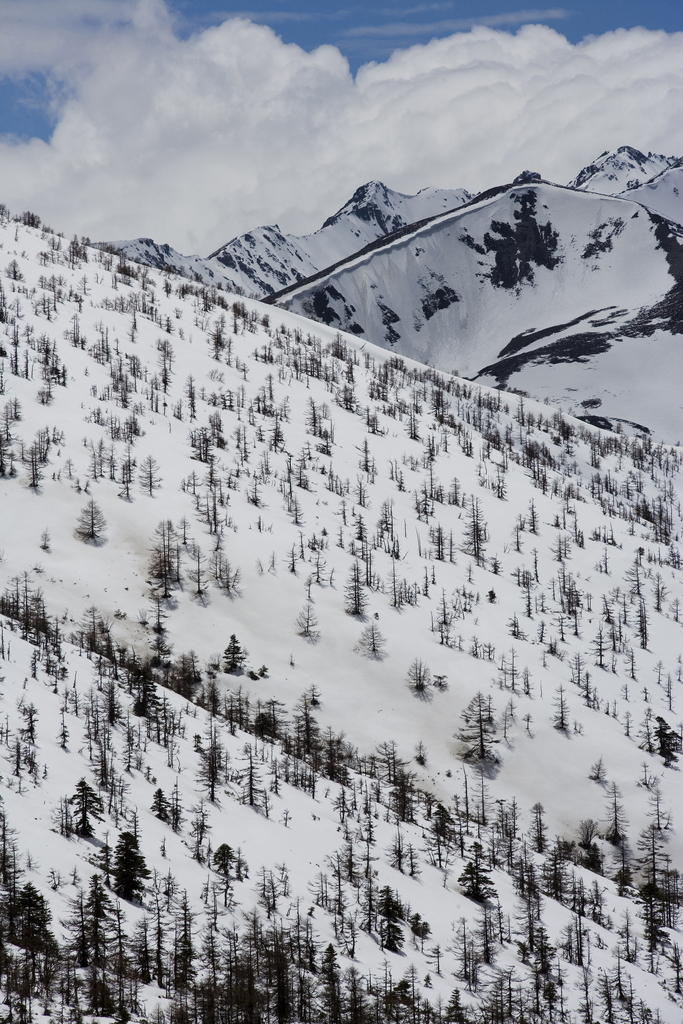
(440, 298)
(526, 338)
(521, 245)
(575, 348)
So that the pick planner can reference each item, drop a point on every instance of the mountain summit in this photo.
(614, 171)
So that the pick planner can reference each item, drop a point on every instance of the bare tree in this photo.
(197, 573)
(306, 623)
(149, 475)
(476, 532)
(371, 644)
(91, 522)
(478, 729)
(356, 601)
(419, 677)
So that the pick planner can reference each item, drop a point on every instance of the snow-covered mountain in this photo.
(654, 180)
(265, 260)
(270, 753)
(559, 292)
(662, 194)
(616, 171)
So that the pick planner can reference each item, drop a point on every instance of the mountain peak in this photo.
(615, 171)
(370, 202)
(527, 176)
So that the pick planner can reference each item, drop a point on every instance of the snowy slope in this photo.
(512, 551)
(265, 260)
(533, 286)
(662, 194)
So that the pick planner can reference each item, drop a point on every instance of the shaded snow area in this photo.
(334, 688)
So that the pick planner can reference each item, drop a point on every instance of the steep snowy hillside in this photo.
(264, 260)
(334, 688)
(557, 292)
(662, 194)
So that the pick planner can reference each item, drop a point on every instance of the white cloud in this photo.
(193, 141)
(412, 28)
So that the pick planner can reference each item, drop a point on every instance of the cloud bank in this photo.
(194, 141)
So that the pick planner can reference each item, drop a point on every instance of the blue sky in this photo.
(361, 31)
(371, 31)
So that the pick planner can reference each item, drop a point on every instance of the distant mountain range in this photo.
(265, 260)
(572, 293)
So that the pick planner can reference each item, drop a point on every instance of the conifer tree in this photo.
(130, 868)
(356, 601)
(212, 761)
(98, 934)
(419, 677)
(479, 729)
(91, 523)
(160, 807)
(372, 644)
(389, 914)
(87, 806)
(475, 882)
(234, 656)
(476, 531)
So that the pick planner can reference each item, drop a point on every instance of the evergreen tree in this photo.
(160, 806)
(389, 914)
(476, 884)
(87, 806)
(31, 932)
(223, 858)
(234, 656)
(130, 868)
(455, 1012)
(668, 741)
(98, 933)
(331, 987)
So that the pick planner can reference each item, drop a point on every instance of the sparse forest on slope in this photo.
(335, 688)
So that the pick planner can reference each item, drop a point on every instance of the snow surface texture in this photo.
(264, 261)
(561, 293)
(499, 548)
